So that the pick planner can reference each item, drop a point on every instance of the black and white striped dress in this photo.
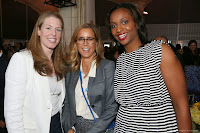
(145, 104)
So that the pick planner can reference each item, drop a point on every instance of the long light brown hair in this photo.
(41, 62)
(75, 57)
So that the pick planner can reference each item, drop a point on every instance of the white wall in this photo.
(73, 17)
(90, 11)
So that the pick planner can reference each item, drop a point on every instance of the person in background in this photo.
(114, 53)
(18, 46)
(3, 66)
(192, 44)
(12, 50)
(187, 56)
(164, 39)
(149, 83)
(179, 49)
(89, 105)
(34, 88)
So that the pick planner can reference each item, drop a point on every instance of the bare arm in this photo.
(174, 78)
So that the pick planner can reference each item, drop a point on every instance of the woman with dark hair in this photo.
(89, 105)
(187, 56)
(149, 82)
(142, 32)
(192, 45)
(34, 88)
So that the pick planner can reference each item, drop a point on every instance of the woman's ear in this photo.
(38, 31)
(136, 26)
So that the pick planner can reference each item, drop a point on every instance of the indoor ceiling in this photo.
(37, 5)
(160, 11)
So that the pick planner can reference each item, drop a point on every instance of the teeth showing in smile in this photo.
(122, 36)
(86, 49)
(52, 40)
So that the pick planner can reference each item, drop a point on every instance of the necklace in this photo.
(86, 74)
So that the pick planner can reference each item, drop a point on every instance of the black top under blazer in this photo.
(100, 95)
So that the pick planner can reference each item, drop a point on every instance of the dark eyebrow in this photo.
(112, 22)
(123, 18)
(120, 19)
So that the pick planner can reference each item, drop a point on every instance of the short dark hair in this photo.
(165, 38)
(137, 17)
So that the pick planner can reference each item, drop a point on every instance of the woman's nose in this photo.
(119, 28)
(53, 32)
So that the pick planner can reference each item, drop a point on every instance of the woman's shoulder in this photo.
(24, 55)
(23, 52)
(21, 60)
(105, 62)
(155, 44)
(106, 66)
(167, 51)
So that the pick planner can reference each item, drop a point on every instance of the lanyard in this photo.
(113, 123)
(84, 93)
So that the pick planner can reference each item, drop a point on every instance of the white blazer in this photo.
(27, 104)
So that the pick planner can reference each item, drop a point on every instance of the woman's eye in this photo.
(113, 26)
(125, 22)
(81, 39)
(90, 38)
(59, 30)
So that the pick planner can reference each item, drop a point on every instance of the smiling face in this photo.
(193, 46)
(123, 27)
(50, 33)
(86, 43)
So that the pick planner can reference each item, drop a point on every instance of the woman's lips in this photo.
(122, 36)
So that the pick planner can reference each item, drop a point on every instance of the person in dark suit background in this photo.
(88, 65)
(3, 66)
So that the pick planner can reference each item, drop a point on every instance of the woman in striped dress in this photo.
(149, 81)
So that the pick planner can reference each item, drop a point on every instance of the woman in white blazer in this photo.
(34, 88)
